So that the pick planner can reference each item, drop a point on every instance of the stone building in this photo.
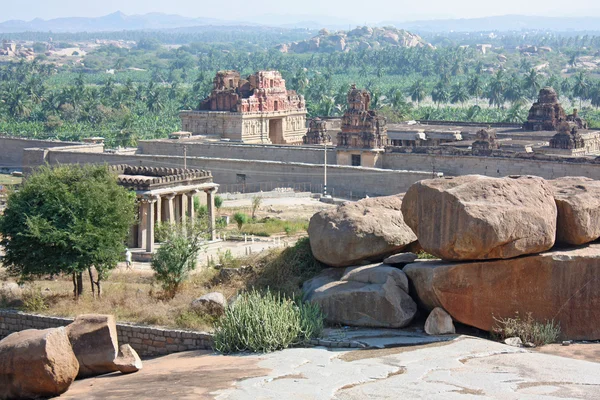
(486, 141)
(165, 195)
(547, 113)
(317, 132)
(363, 135)
(258, 109)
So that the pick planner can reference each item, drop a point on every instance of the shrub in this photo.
(264, 322)
(256, 202)
(33, 300)
(422, 255)
(527, 329)
(218, 202)
(240, 218)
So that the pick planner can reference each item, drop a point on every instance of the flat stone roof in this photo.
(140, 178)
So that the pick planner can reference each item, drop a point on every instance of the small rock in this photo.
(213, 304)
(566, 343)
(400, 259)
(439, 322)
(128, 360)
(529, 344)
(514, 341)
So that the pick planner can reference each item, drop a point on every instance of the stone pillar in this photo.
(150, 225)
(182, 198)
(190, 205)
(210, 203)
(158, 209)
(170, 208)
(142, 223)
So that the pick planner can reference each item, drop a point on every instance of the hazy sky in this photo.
(359, 11)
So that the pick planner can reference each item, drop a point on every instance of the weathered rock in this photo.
(10, 291)
(373, 295)
(563, 286)
(439, 322)
(514, 341)
(474, 217)
(36, 363)
(94, 341)
(213, 304)
(400, 259)
(369, 229)
(127, 360)
(578, 203)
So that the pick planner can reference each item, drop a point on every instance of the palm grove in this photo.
(152, 83)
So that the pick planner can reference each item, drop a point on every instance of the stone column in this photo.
(158, 209)
(170, 208)
(142, 223)
(210, 203)
(190, 205)
(182, 198)
(150, 225)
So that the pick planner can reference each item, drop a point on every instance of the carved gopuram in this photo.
(258, 109)
(317, 132)
(547, 113)
(364, 132)
(165, 195)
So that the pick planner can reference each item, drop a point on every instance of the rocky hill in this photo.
(362, 38)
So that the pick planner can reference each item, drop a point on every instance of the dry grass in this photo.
(133, 296)
(7, 179)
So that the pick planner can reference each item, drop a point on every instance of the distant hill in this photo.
(112, 22)
(362, 38)
(502, 23)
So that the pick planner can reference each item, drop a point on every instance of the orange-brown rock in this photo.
(94, 341)
(563, 286)
(475, 217)
(36, 363)
(369, 229)
(578, 204)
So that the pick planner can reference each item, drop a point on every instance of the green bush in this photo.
(265, 322)
(527, 329)
(33, 300)
(240, 218)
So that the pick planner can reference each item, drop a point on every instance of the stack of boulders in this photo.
(43, 363)
(519, 244)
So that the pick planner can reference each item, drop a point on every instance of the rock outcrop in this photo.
(400, 259)
(558, 285)
(372, 295)
(369, 229)
(439, 322)
(578, 204)
(94, 341)
(36, 363)
(213, 304)
(127, 360)
(474, 217)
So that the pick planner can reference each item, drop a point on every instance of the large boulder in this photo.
(36, 363)
(561, 285)
(474, 217)
(578, 204)
(371, 295)
(366, 230)
(94, 341)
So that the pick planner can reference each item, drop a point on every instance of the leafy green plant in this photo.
(527, 329)
(256, 202)
(265, 322)
(33, 300)
(240, 218)
(218, 202)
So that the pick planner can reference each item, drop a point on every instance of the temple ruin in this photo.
(547, 113)
(258, 109)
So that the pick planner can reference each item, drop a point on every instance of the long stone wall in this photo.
(147, 341)
(455, 164)
(11, 150)
(342, 180)
(302, 154)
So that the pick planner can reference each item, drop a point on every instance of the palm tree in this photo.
(16, 101)
(459, 94)
(580, 86)
(154, 101)
(440, 93)
(417, 91)
(516, 113)
(475, 86)
(532, 82)
(496, 89)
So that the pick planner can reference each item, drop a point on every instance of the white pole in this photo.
(325, 170)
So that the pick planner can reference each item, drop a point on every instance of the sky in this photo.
(351, 10)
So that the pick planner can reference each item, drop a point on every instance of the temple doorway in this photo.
(276, 131)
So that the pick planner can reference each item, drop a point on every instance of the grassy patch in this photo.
(264, 322)
(6, 179)
(527, 329)
(272, 226)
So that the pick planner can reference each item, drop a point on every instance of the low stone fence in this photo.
(147, 341)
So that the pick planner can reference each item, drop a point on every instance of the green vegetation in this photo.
(271, 226)
(6, 179)
(240, 219)
(67, 219)
(264, 322)
(527, 329)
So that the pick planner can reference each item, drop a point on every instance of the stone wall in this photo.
(343, 181)
(11, 150)
(166, 147)
(147, 341)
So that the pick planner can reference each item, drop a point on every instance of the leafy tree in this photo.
(240, 218)
(218, 202)
(67, 219)
(417, 91)
(256, 202)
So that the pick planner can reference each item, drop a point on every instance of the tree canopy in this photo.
(66, 219)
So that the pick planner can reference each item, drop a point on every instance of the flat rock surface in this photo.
(463, 368)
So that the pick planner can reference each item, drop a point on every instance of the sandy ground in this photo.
(284, 208)
(464, 368)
